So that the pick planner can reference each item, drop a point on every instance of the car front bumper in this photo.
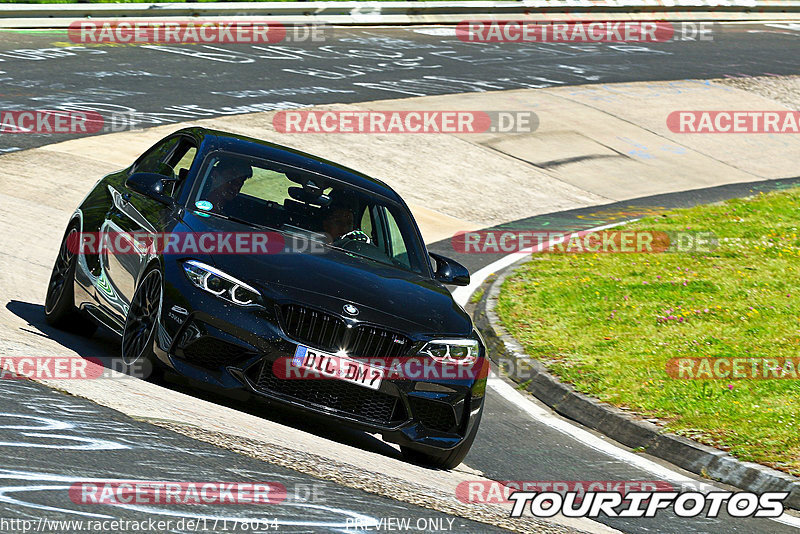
(234, 349)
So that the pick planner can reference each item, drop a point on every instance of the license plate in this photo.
(338, 367)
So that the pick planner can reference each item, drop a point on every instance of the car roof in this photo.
(249, 146)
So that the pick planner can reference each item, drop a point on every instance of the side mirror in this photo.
(450, 271)
(150, 185)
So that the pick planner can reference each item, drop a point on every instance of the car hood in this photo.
(385, 295)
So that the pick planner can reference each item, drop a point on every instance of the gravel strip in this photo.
(783, 89)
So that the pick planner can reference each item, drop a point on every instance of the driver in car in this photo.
(227, 179)
(339, 223)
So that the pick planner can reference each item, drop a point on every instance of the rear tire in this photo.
(445, 459)
(59, 304)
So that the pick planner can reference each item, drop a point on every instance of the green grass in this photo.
(477, 296)
(268, 185)
(593, 319)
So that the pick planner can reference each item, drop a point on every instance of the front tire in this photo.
(138, 336)
(445, 459)
(59, 303)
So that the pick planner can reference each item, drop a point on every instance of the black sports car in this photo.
(254, 267)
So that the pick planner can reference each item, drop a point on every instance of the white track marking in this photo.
(502, 388)
(595, 442)
(462, 294)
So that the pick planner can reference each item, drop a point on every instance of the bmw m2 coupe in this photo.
(257, 268)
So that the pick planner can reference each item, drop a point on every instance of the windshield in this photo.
(307, 205)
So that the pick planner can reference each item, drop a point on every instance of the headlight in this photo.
(220, 284)
(454, 351)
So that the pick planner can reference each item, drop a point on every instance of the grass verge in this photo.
(609, 323)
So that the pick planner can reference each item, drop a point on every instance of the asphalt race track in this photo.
(95, 443)
(44, 70)
(49, 440)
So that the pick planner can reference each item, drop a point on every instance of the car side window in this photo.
(180, 161)
(366, 224)
(186, 160)
(154, 159)
(396, 246)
